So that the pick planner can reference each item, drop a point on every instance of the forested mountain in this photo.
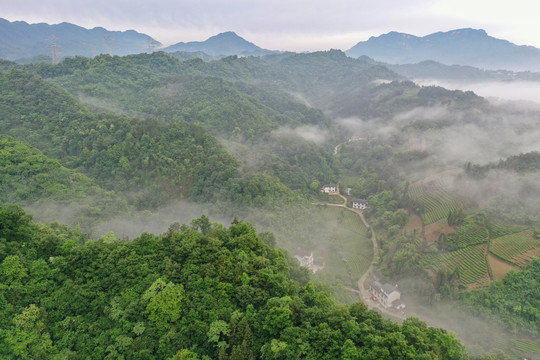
(161, 87)
(456, 47)
(21, 40)
(148, 162)
(142, 138)
(199, 291)
(224, 44)
(122, 153)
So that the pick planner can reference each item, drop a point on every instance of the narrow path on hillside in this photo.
(336, 148)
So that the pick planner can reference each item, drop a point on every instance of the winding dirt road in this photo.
(362, 291)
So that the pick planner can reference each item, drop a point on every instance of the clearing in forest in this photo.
(499, 268)
(347, 249)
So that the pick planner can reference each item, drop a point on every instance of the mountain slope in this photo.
(159, 161)
(53, 192)
(22, 40)
(219, 292)
(462, 46)
(227, 43)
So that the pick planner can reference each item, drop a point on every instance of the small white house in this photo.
(386, 294)
(329, 189)
(360, 204)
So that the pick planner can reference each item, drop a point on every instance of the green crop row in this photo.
(477, 236)
(498, 229)
(526, 346)
(470, 262)
(356, 263)
(437, 202)
(512, 247)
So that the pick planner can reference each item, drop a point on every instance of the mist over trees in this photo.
(134, 143)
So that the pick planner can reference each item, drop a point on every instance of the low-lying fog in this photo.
(507, 90)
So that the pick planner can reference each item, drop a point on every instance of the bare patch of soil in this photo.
(433, 231)
(499, 267)
(415, 222)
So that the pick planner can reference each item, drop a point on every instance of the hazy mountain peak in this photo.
(23, 40)
(466, 46)
(226, 34)
(226, 43)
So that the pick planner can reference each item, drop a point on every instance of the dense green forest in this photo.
(29, 178)
(197, 291)
(149, 161)
(111, 137)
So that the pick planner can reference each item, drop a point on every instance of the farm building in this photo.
(306, 259)
(360, 204)
(329, 189)
(386, 294)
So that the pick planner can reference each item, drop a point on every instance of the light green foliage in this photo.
(164, 303)
(218, 333)
(29, 338)
(184, 354)
(12, 270)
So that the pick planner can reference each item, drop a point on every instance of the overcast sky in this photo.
(296, 25)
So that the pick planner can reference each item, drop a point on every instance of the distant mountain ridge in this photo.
(430, 69)
(227, 43)
(22, 40)
(468, 46)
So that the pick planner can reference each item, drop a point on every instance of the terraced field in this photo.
(513, 248)
(526, 346)
(498, 229)
(435, 199)
(478, 235)
(470, 262)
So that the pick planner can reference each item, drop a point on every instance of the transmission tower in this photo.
(152, 44)
(54, 50)
(108, 40)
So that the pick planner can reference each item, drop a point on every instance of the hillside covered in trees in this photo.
(111, 143)
(196, 291)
